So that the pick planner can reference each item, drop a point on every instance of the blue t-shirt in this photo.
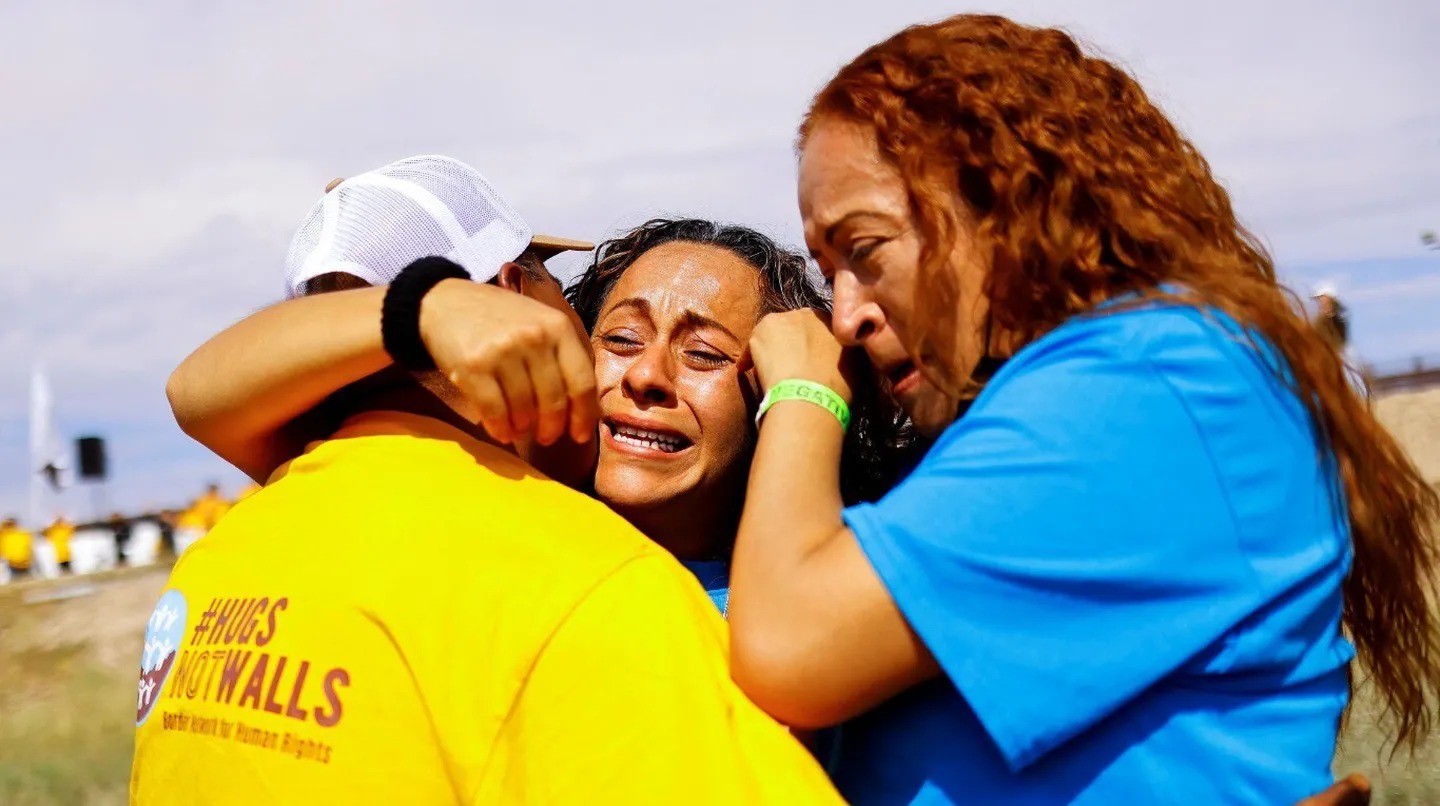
(714, 575)
(1127, 559)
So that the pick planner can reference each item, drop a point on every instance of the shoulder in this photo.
(1165, 335)
(1166, 387)
(649, 600)
(1198, 357)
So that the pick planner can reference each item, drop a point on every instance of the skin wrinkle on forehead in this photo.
(696, 297)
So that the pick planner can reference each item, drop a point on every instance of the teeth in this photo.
(646, 439)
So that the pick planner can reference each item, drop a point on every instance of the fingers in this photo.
(562, 374)
(551, 402)
(484, 390)
(519, 392)
(526, 370)
(1352, 791)
(577, 370)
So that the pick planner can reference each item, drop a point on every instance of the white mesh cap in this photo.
(375, 224)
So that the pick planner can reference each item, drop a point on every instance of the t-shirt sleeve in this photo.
(630, 701)
(1068, 543)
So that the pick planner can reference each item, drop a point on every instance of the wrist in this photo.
(400, 315)
(445, 302)
(826, 377)
(803, 390)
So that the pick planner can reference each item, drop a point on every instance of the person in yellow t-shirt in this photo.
(191, 517)
(16, 547)
(526, 645)
(209, 508)
(59, 533)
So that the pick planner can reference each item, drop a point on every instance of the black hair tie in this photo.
(400, 312)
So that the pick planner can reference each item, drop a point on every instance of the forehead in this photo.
(841, 173)
(680, 277)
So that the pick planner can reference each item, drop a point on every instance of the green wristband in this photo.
(810, 392)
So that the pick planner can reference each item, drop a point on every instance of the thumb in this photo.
(746, 362)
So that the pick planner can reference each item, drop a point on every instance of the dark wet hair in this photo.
(880, 445)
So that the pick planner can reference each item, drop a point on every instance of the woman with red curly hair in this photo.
(1154, 510)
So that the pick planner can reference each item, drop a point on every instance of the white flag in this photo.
(49, 461)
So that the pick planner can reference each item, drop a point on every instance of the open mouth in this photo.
(903, 377)
(644, 438)
(900, 371)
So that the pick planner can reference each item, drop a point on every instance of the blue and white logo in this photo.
(163, 635)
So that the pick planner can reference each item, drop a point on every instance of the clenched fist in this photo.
(521, 362)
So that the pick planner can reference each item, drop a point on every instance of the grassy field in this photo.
(68, 668)
(1401, 781)
(67, 692)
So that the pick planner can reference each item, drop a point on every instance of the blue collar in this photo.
(714, 575)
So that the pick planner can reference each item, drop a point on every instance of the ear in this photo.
(512, 277)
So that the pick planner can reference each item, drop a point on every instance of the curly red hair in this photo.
(1080, 190)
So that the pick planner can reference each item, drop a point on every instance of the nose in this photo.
(855, 317)
(650, 378)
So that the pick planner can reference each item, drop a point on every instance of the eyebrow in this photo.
(690, 319)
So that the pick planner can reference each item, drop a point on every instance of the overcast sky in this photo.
(157, 159)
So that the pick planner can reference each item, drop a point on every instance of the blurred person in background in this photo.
(208, 509)
(1332, 321)
(168, 519)
(1332, 318)
(16, 547)
(59, 533)
(1122, 576)
(120, 529)
(469, 678)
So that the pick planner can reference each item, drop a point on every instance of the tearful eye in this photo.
(707, 358)
(618, 341)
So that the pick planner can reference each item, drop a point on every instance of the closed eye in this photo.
(863, 249)
(707, 358)
(618, 341)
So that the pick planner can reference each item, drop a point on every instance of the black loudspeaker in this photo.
(92, 458)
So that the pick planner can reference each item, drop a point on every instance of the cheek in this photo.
(721, 404)
(895, 301)
(609, 370)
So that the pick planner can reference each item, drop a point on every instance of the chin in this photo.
(932, 414)
(624, 490)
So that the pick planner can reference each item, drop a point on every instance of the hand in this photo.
(1352, 791)
(521, 362)
(799, 344)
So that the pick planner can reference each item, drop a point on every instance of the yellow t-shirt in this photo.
(407, 615)
(15, 547)
(59, 535)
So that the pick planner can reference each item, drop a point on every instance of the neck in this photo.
(688, 532)
(411, 398)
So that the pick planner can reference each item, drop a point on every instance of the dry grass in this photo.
(67, 687)
(1404, 780)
